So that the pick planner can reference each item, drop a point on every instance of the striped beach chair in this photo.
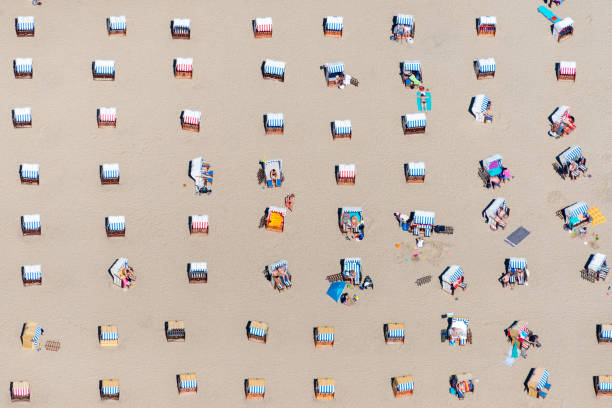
(103, 70)
(403, 27)
(325, 388)
(567, 158)
(22, 117)
(115, 226)
(190, 120)
(597, 267)
(566, 71)
(109, 389)
(486, 26)
(175, 330)
(283, 282)
(485, 68)
(422, 222)
(462, 384)
(411, 68)
(563, 29)
(350, 218)
(274, 70)
(187, 382)
(180, 28)
(604, 333)
(116, 25)
(198, 224)
(414, 123)
(332, 72)
(394, 332)
(275, 218)
(575, 215)
(333, 26)
(324, 336)
(345, 174)
(453, 278)
(255, 388)
(342, 129)
(517, 270)
(31, 275)
(350, 267)
(24, 26)
(257, 331)
(603, 385)
(30, 336)
(274, 123)
(20, 391)
(197, 272)
(108, 335)
(415, 172)
(30, 224)
(403, 386)
(107, 117)
(274, 167)
(29, 173)
(459, 331)
(480, 105)
(262, 27)
(109, 173)
(22, 68)
(537, 383)
(183, 68)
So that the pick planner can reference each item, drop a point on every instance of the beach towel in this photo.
(517, 236)
(427, 99)
(548, 14)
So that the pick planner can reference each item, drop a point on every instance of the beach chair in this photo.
(557, 119)
(109, 389)
(255, 388)
(597, 268)
(453, 278)
(283, 281)
(187, 382)
(109, 173)
(575, 215)
(459, 332)
(115, 226)
(414, 123)
(332, 71)
(324, 388)
(107, 117)
(604, 333)
(180, 28)
(274, 123)
(415, 172)
(30, 224)
(537, 383)
(486, 26)
(603, 385)
(485, 68)
(103, 70)
(342, 129)
(350, 219)
(394, 332)
(190, 120)
(120, 271)
(257, 331)
(275, 218)
(332, 26)
(29, 173)
(108, 336)
(403, 386)
(564, 29)
(22, 117)
(411, 69)
(403, 27)
(566, 71)
(481, 104)
(175, 330)
(516, 272)
(345, 174)
(421, 221)
(20, 391)
(183, 68)
(273, 169)
(30, 336)
(22, 68)
(492, 171)
(569, 157)
(197, 272)
(116, 25)
(31, 275)
(490, 213)
(324, 336)
(262, 27)
(24, 26)
(351, 270)
(198, 224)
(462, 384)
(274, 70)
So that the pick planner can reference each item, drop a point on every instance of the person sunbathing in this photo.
(495, 181)
(289, 201)
(273, 176)
(500, 222)
(351, 275)
(573, 171)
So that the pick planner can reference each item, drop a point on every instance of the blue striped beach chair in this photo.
(30, 224)
(603, 385)
(403, 27)
(333, 70)
(459, 331)
(414, 123)
(351, 270)
(257, 331)
(103, 70)
(31, 275)
(342, 129)
(395, 332)
(115, 226)
(486, 26)
(175, 330)
(109, 173)
(604, 333)
(597, 267)
(22, 117)
(116, 25)
(452, 278)
(255, 388)
(325, 388)
(109, 389)
(180, 28)
(22, 68)
(187, 382)
(30, 336)
(537, 384)
(274, 123)
(29, 173)
(415, 172)
(324, 336)
(575, 215)
(283, 281)
(24, 26)
(485, 68)
(409, 68)
(480, 108)
(108, 336)
(274, 70)
(403, 386)
(333, 26)
(262, 27)
(197, 272)
(517, 270)
(422, 221)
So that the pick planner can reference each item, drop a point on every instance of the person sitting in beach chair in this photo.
(282, 279)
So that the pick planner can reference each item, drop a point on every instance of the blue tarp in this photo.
(335, 290)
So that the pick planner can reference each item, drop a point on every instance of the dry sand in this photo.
(77, 294)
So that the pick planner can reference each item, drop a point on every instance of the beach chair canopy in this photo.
(118, 265)
(31, 221)
(517, 263)
(334, 68)
(404, 19)
(569, 155)
(493, 164)
(181, 24)
(342, 127)
(326, 386)
(109, 332)
(424, 217)
(604, 383)
(117, 23)
(396, 330)
(352, 264)
(274, 67)
(263, 24)
(275, 120)
(560, 113)
(346, 170)
(32, 272)
(403, 383)
(25, 23)
(353, 211)
(279, 210)
(335, 290)
(481, 102)
(491, 210)
(199, 221)
(597, 261)
(110, 170)
(256, 385)
(192, 117)
(543, 379)
(104, 67)
(110, 387)
(561, 25)
(606, 331)
(115, 222)
(29, 170)
(416, 169)
(195, 170)
(22, 115)
(461, 325)
(453, 274)
(334, 23)
(413, 65)
(325, 333)
(20, 388)
(23, 65)
(188, 381)
(198, 266)
(257, 328)
(273, 266)
(108, 114)
(576, 209)
(567, 67)
(486, 65)
(487, 20)
(414, 120)
(183, 64)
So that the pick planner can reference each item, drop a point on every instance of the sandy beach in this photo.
(156, 196)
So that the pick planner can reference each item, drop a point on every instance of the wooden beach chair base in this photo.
(183, 75)
(31, 232)
(25, 33)
(332, 33)
(23, 75)
(108, 396)
(390, 340)
(22, 124)
(415, 179)
(187, 390)
(484, 75)
(320, 344)
(195, 280)
(275, 131)
(191, 128)
(104, 77)
(258, 339)
(35, 282)
(115, 233)
(173, 338)
(254, 396)
(122, 33)
(343, 136)
(345, 181)
(325, 396)
(102, 124)
(563, 77)
(20, 398)
(109, 180)
(29, 181)
(408, 131)
(262, 34)
(487, 33)
(273, 228)
(400, 394)
(198, 230)
(276, 77)
(602, 340)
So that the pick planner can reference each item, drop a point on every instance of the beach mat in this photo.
(548, 14)
(597, 216)
(517, 236)
(428, 99)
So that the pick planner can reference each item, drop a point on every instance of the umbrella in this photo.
(335, 290)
